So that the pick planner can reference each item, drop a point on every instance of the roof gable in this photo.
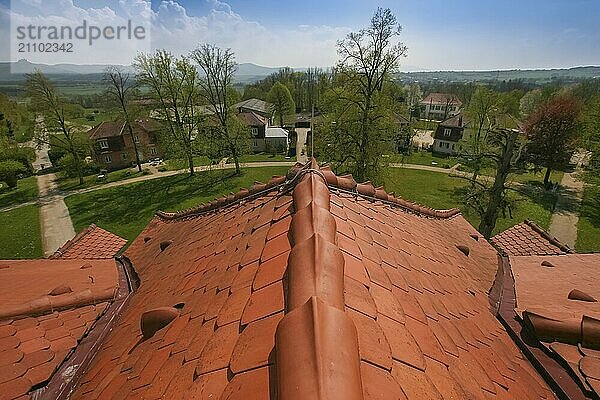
(91, 243)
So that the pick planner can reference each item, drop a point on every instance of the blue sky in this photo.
(440, 34)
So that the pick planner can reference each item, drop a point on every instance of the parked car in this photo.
(156, 161)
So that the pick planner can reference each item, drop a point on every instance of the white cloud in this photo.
(174, 29)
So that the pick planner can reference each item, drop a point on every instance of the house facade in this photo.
(448, 134)
(440, 106)
(113, 147)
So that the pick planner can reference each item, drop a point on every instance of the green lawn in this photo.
(25, 191)
(126, 210)
(440, 191)
(424, 158)
(20, 235)
(261, 157)
(588, 230)
(65, 183)
(175, 164)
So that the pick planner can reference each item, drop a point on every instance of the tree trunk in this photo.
(547, 178)
(190, 158)
(281, 120)
(135, 149)
(236, 160)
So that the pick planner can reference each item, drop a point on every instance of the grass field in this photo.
(65, 183)
(424, 158)
(25, 191)
(588, 230)
(20, 234)
(126, 210)
(441, 191)
(261, 157)
(175, 164)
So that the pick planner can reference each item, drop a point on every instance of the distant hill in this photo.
(532, 75)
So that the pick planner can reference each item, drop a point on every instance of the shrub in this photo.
(11, 171)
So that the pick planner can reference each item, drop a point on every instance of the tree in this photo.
(367, 60)
(216, 89)
(505, 149)
(54, 109)
(553, 133)
(120, 86)
(10, 172)
(530, 102)
(282, 101)
(592, 137)
(173, 84)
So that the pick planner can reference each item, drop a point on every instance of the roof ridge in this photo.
(345, 183)
(548, 236)
(315, 332)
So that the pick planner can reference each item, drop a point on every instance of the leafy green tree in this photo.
(530, 102)
(55, 111)
(216, 90)
(360, 106)
(10, 172)
(281, 99)
(173, 84)
(592, 137)
(553, 131)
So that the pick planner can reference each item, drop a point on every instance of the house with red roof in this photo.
(310, 286)
(440, 106)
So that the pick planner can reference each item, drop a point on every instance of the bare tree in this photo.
(173, 83)
(54, 109)
(120, 88)
(216, 89)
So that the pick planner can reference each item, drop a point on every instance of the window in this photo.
(124, 156)
(255, 143)
(153, 151)
(107, 159)
(103, 144)
(447, 131)
(254, 131)
(136, 139)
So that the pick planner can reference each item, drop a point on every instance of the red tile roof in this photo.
(556, 301)
(47, 306)
(367, 292)
(528, 238)
(91, 243)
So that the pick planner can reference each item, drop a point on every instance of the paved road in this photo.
(565, 218)
(55, 221)
(300, 144)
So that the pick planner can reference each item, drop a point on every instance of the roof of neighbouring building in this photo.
(91, 243)
(366, 291)
(252, 118)
(254, 105)
(456, 124)
(109, 129)
(528, 239)
(276, 132)
(441, 98)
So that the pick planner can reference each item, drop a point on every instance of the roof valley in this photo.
(315, 332)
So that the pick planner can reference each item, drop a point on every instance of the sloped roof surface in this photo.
(557, 302)
(527, 238)
(91, 243)
(106, 129)
(252, 119)
(47, 306)
(368, 293)
(276, 132)
(441, 98)
(254, 104)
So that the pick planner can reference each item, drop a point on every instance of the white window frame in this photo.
(447, 132)
(136, 139)
(108, 158)
(153, 151)
(103, 143)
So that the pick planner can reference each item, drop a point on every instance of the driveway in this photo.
(55, 221)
